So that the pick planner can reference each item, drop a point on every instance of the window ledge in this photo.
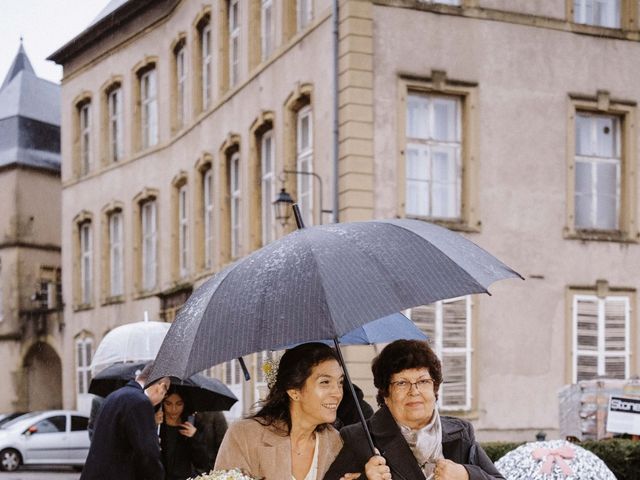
(456, 225)
(146, 294)
(586, 235)
(81, 307)
(113, 300)
(466, 414)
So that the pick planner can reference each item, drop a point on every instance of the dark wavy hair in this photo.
(188, 410)
(294, 369)
(402, 355)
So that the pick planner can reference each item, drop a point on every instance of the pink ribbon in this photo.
(556, 456)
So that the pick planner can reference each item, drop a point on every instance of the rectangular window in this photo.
(116, 260)
(433, 156)
(86, 253)
(234, 42)
(266, 28)
(205, 48)
(84, 355)
(183, 231)
(597, 171)
(603, 13)
(448, 326)
(149, 245)
(149, 104)
(85, 137)
(207, 192)
(181, 83)
(304, 163)
(304, 9)
(601, 337)
(116, 141)
(234, 188)
(268, 186)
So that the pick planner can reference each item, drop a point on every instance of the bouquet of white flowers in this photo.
(233, 474)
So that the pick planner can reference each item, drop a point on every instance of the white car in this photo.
(52, 437)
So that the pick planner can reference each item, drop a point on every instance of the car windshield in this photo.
(19, 419)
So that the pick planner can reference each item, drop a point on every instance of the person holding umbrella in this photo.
(291, 436)
(182, 444)
(415, 440)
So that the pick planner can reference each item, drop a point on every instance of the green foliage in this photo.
(622, 456)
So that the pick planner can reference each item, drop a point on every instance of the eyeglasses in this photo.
(404, 386)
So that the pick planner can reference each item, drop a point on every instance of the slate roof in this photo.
(23, 94)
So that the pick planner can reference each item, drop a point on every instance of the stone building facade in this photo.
(513, 123)
(31, 322)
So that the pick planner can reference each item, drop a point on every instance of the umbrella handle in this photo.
(363, 421)
(245, 370)
(297, 215)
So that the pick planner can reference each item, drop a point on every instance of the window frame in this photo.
(267, 30)
(183, 230)
(235, 207)
(206, 62)
(267, 186)
(304, 14)
(83, 364)
(84, 123)
(86, 263)
(579, 9)
(149, 133)
(115, 124)
(208, 203)
(234, 42)
(601, 353)
(467, 93)
(603, 104)
(116, 255)
(149, 246)
(305, 190)
(180, 73)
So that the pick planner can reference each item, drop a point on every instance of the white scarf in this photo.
(425, 443)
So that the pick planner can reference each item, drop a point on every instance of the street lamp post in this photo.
(283, 201)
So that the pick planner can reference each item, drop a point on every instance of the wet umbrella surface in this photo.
(320, 283)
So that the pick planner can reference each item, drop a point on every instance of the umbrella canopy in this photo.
(557, 459)
(383, 330)
(133, 342)
(321, 283)
(201, 393)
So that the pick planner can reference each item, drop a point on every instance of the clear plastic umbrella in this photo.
(556, 459)
(132, 342)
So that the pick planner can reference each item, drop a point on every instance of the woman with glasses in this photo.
(414, 440)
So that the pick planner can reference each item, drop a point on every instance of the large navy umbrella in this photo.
(320, 283)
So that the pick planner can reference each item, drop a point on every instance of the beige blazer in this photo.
(265, 453)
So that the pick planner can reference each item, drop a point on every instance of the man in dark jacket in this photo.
(125, 441)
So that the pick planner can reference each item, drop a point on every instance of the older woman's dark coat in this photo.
(458, 445)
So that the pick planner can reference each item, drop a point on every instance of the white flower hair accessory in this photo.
(270, 370)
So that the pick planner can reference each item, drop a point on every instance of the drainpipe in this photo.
(336, 124)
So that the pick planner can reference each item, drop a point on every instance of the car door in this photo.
(78, 440)
(45, 440)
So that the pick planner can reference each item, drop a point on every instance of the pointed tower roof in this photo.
(29, 117)
(20, 63)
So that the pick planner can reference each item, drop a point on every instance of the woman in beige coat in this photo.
(291, 436)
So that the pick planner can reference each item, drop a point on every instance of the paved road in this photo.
(41, 474)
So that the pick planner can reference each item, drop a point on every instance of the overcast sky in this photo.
(45, 26)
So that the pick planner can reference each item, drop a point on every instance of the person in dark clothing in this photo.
(213, 426)
(96, 405)
(414, 440)
(125, 442)
(182, 444)
(347, 411)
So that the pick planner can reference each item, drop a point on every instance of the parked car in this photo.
(7, 417)
(53, 437)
